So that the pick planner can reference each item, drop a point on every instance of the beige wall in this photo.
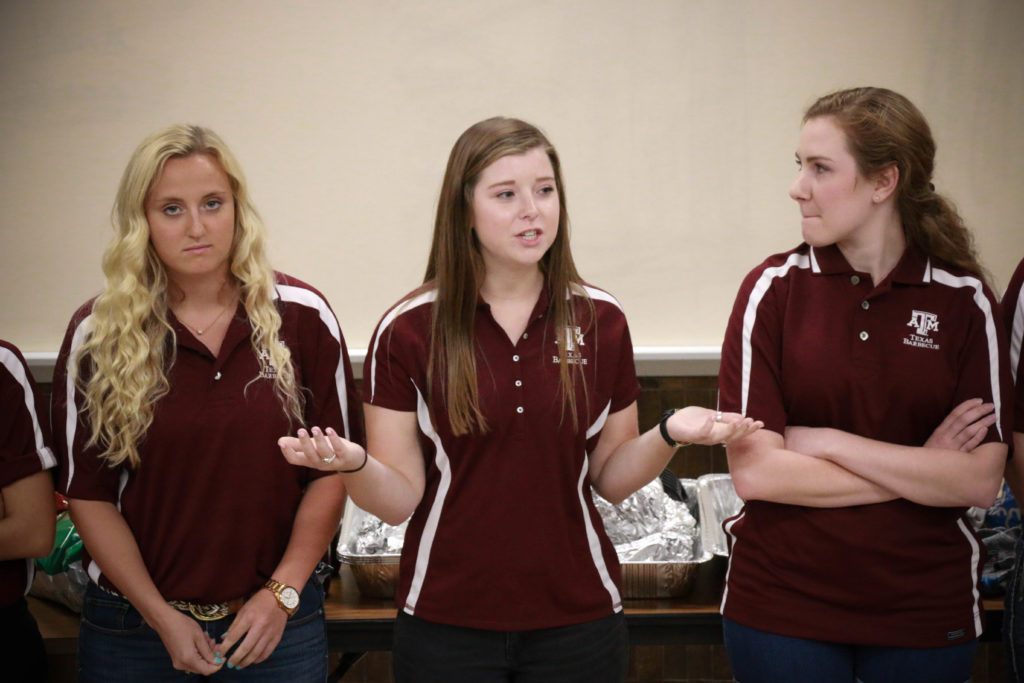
(676, 121)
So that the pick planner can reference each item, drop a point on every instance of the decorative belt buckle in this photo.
(208, 612)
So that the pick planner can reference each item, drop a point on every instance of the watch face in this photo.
(290, 598)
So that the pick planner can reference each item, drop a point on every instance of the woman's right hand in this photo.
(190, 648)
(322, 451)
(965, 427)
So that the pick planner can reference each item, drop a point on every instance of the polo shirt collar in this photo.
(913, 268)
(539, 308)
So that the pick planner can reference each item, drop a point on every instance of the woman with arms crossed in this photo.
(27, 515)
(496, 395)
(873, 356)
(1013, 629)
(171, 389)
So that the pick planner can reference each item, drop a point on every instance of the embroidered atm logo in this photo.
(574, 340)
(924, 324)
(267, 369)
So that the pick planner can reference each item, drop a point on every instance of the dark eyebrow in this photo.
(812, 158)
(545, 179)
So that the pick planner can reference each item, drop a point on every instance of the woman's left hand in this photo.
(694, 424)
(259, 625)
(321, 450)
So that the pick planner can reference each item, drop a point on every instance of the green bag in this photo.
(67, 547)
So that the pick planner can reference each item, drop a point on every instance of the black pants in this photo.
(21, 646)
(591, 652)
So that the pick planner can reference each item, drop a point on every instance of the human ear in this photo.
(885, 182)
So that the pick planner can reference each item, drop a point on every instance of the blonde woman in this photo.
(171, 388)
(498, 394)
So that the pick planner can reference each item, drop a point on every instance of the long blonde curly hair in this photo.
(131, 344)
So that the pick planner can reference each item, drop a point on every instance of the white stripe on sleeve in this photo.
(308, 298)
(981, 301)
(761, 288)
(13, 364)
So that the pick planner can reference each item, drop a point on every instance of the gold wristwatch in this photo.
(287, 597)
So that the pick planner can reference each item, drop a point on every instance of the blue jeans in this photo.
(762, 657)
(591, 652)
(1013, 618)
(115, 645)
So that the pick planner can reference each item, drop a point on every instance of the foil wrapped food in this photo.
(374, 537)
(366, 538)
(649, 526)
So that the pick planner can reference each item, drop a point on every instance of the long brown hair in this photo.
(456, 269)
(884, 128)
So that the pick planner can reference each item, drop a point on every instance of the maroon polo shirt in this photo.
(506, 536)
(1013, 314)
(212, 502)
(812, 342)
(23, 450)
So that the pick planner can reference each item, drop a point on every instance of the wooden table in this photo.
(57, 624)
(356, 624)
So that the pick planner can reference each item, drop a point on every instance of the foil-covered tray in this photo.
(372, 548)
(717, 502)
(657, 539)
(661, 542)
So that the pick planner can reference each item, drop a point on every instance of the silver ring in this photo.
(328, 461)
(718, 416)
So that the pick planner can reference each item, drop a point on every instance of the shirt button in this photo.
(526, 335)
(217, 376)
(516, 358)
(865, 305)
(855, 279)
(519, 410)
(863, 336)
(519, 382)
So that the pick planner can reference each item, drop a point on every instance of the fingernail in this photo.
(303, 432)
(231, 666)
(218, 660)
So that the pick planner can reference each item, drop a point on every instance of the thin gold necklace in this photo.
(200, 331)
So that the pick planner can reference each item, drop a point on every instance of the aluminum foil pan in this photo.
(657, 540)
(372, 549)
(717, 502)
(366, 539)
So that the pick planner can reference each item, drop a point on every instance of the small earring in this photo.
(875, 199)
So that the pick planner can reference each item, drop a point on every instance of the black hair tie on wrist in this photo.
(366, 457)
